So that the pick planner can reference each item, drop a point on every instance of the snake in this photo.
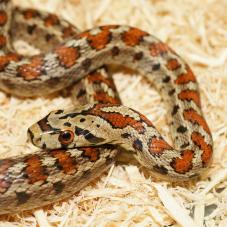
(80, 142)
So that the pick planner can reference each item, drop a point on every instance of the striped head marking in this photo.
(65, 129)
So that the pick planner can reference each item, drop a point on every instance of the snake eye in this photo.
(66, 137)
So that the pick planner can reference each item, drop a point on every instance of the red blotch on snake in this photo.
(30, 13)
(35, 170)
(101, 39)
(65, 161)
(199, 140)
(195, 118)
(133, 37)
(91, 152)
(5, 60)
(190, 95)
(51, 20)
(31, 70)
(158, 146)
(117, 120)
(184, 163)
(3, 17)
(186, 77)
(67, 55)
(159, 48)
(173, 64)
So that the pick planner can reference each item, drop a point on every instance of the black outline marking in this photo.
(182, 129)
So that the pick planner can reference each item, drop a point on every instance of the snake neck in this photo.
(127, 128)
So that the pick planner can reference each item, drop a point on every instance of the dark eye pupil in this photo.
(66, 136)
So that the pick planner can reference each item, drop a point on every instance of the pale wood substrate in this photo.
(197, 30)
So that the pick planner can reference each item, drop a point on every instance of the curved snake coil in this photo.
(98, 124)
(22, 184)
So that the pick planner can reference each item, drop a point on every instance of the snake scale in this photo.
(79, 143)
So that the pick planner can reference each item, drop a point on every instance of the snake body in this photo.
(39, 179)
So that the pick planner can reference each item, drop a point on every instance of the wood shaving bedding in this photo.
(128, 195)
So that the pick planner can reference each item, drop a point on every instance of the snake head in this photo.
(65, 129)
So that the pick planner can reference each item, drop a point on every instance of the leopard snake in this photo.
(79, 143)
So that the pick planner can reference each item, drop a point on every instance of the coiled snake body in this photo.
(72, 135)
